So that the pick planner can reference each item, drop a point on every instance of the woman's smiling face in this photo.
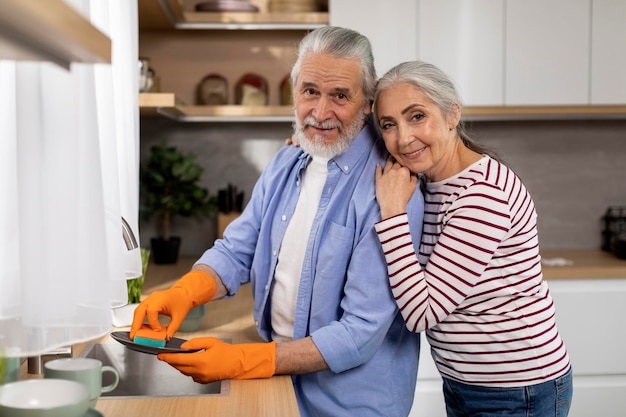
(416, 132)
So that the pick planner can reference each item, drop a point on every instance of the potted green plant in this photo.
(169, 187)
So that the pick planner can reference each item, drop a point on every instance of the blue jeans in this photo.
(548, 399)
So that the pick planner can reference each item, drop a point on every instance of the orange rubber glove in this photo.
(193, 289)
(220, 360)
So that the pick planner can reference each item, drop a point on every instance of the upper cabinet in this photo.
(533, 58)
(547, 58)
(608, 56)
(466, 40)
(390, 27)
(53, 32)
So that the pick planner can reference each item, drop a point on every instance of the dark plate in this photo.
(173, 346)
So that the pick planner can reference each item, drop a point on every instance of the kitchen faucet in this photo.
(128, 236)
(35, 363)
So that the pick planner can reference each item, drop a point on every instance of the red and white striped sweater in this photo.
(477, 286)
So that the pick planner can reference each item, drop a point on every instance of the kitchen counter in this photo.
(585, 264)
(226, 319)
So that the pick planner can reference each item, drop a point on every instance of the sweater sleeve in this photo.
(427, 294)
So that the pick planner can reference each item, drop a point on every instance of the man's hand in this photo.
(220, 360)
(193, 289)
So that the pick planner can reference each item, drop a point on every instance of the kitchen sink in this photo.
(143, 375)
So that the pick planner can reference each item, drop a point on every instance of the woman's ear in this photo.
(454, 116)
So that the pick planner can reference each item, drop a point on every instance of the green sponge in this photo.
(148, 337)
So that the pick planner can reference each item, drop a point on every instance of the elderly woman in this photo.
(476, 285)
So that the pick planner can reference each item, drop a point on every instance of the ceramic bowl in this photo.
(43, 398)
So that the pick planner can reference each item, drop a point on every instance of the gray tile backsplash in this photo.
(573, 169)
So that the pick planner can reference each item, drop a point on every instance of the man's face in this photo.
(329, 103)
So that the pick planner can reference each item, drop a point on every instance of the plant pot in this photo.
(165, 251)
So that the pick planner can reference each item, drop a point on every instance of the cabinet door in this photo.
(608, 52)
(589, 315)
(428, 400)
(547, 52)
(390, 26)
(466, 40)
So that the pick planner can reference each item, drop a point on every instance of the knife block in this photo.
(223, 220)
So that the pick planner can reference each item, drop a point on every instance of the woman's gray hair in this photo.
(438, 87)
(340, 43)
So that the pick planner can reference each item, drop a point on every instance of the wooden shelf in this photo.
(166, 104)
(252, 21)
(582, 112)
(54, 31)
(169, 14)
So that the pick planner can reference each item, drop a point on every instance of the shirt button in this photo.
(256, 323)
(283, 217)
(345, 167)
(274, 253)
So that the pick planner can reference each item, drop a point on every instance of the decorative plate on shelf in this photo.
(212, 90)
(251, 90)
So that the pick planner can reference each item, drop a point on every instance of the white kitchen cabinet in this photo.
(547, 52)
(590, 313)
(590, 316)
(390, 26)
(608, 52)
(466, 40)
(428, 400)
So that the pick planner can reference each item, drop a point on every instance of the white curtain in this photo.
(69, 157)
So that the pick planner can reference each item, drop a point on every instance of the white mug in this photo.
(87, 371)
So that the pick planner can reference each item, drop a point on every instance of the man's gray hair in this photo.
(340, 43)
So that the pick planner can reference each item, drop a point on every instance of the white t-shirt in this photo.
(293, 248)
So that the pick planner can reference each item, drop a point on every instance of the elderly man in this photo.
(307, 244)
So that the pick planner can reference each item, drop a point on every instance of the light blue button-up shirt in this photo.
(343, 301)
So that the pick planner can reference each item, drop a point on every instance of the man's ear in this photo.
(368, 107)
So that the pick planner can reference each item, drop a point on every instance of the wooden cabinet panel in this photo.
(547, 52)
(466, 40)
(56, 33)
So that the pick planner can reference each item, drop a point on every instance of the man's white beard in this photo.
(315, 146)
